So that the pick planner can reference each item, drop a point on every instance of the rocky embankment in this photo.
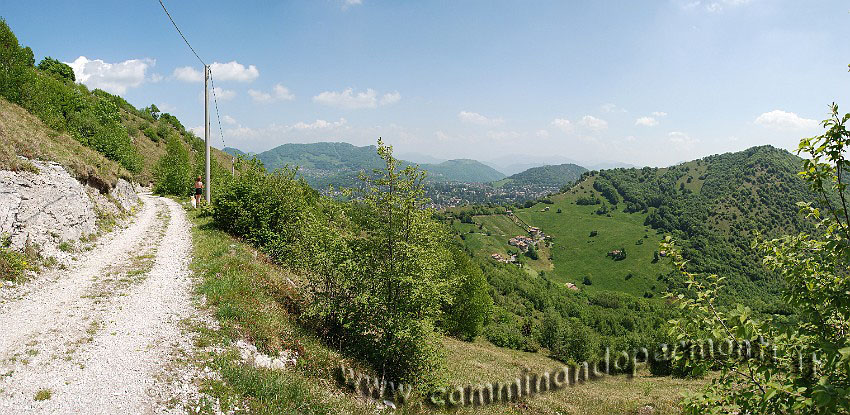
(48, 211)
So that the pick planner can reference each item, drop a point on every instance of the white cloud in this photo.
(783, 120)
(563, 124)
(659, 114)
(349, 3)
(630, 138)
(282, 93)
(478, 119)
(319, 125)
(347, 99)
(259, 96)
(592, 123)
(390, 98)
(155, 78)
(229, 71)
(542, 133)
(233, 71)
(228, 120)
(111, 77)
(678, 137)
(279, 93)
(220, 94)
(612, 108)
(646, 121)
(713, 6)
(188, 74)
(316, 130)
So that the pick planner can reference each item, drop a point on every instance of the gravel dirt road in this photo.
(104, 335)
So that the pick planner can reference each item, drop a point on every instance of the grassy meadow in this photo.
(575, 254)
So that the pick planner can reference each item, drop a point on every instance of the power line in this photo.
(181, 33)
(215, 99)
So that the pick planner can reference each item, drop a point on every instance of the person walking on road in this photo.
(199, 189)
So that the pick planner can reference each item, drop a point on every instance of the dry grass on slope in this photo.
(23, 134)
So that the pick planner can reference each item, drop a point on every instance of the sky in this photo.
(638, 82)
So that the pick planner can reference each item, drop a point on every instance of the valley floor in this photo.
(103, 335)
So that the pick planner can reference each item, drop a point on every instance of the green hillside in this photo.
(338, 164)
(462, 170)
(556, 176)
(576, 254)
(711, 206)
(234, 151)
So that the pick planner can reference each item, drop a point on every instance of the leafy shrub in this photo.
(172, 171)
(149, 132)
(56, 68)
(505, 335)
(471, 302)
(586, 200)
(577, 343)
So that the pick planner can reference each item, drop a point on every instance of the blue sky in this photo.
(641, 82)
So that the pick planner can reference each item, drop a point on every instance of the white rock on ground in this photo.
(52, 207)
(99, 339)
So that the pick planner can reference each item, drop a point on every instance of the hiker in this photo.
(199, 188)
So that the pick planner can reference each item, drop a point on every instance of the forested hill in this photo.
(556, 176)
(327, 163)
(234, 152)
(713, 206)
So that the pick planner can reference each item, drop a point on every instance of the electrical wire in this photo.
(181, 33)
(215, 98)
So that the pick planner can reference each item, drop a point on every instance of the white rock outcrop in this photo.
(44, 210)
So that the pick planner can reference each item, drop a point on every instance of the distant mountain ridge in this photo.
(235, 152)
(339, 164)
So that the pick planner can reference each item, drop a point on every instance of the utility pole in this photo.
(207, 130)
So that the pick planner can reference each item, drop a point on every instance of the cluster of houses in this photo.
(524, 242)
(521, 242)
(508, 260)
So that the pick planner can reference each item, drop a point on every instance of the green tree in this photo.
(15, 64)
(471, 303)
(801, 368)
(550, 334)
(56, 68)
(172, 171)
(578, 343)
(405, 270)
(532, 252)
